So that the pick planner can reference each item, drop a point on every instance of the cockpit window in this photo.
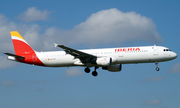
(166, 50)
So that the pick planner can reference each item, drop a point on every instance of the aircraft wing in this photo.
(84, 57)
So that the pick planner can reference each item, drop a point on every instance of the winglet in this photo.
(55, 45)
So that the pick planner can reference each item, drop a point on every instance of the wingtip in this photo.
(55, 44)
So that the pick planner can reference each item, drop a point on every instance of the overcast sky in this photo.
(83, 25)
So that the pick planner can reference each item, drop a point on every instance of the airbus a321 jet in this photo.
(110, 59)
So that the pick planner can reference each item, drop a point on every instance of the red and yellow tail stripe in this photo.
(15, 35)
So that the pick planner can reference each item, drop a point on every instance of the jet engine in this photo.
(113, 68)
(104, 61)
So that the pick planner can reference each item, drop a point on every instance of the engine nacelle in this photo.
(113, 68)
(104, 61)
(113, 60)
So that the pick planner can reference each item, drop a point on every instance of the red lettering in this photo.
(133, 49)
(127, 49)
(137, 49)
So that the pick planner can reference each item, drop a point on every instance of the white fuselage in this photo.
(124, 55)
(110, 59)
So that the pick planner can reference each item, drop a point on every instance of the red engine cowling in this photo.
(113, 68)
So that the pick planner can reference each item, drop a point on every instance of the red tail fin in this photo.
(21, 47)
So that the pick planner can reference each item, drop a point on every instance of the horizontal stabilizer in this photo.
(21, 57)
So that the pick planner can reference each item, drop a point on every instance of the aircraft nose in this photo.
(174, 55)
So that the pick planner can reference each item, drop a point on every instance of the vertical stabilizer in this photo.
(24, 53)
(21, 47)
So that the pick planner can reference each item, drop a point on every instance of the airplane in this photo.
(110, 59)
